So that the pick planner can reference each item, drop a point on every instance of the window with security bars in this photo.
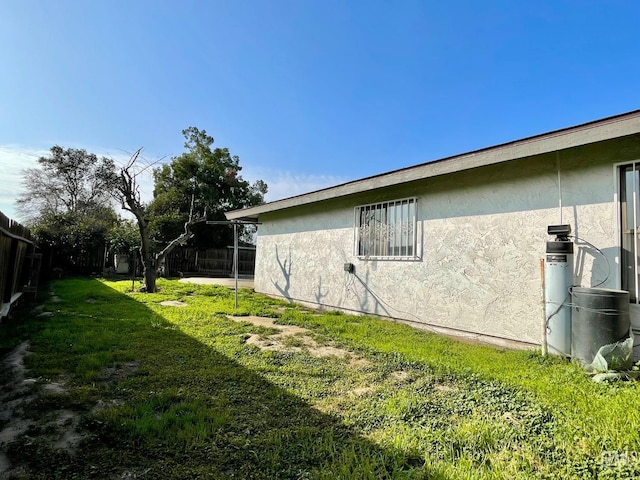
(387, 229)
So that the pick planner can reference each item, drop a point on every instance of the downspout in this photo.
(559, 186)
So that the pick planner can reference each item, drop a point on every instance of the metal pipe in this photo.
(235, 224)
(544, 311)
(635, 230)
(559, 185)
(235, 257)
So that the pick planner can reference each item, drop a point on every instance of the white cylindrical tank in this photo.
(558, 280)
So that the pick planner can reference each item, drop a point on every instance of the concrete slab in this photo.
(224, 281)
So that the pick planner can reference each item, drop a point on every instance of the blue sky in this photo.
(307, 93)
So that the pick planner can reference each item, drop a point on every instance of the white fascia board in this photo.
(600, 130)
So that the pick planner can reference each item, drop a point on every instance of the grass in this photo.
(169, 392)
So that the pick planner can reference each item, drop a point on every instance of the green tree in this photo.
(66, 201)
(67, 180)
(123, 236)
(203, 179)
(200, 184)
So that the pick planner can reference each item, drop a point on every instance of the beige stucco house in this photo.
(455, 244)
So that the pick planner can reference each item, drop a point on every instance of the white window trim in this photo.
(413, 235)
(618, 212)
(634, 307)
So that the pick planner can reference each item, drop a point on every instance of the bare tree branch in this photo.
(183, 238)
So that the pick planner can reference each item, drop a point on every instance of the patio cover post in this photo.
(235, 224)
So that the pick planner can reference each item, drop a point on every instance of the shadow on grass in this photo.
(188, 411)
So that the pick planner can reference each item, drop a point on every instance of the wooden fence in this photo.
(19, 264)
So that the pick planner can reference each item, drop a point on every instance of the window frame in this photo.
(628, 209)
(397, 219)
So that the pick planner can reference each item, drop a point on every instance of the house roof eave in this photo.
(592, 132)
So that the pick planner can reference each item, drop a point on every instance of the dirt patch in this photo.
(5, 464)
(54, 388)
(59, 428)
(119, 372)
(22, 420)
(15, 429)
(102, 405)
(268, 322)
(361, 391)
(173, 303)
(290, 338)
(65, 434)
(445, 388)
(359, 362)
(13, 363)
(129, 474)
(400, 376)
(326, 350)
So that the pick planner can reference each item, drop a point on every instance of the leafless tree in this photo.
(127, 190)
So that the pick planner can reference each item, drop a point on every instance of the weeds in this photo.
(177, 393)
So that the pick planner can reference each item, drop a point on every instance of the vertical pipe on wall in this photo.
(635, 229)
(559, 185)
(235, 258)
(544, 311)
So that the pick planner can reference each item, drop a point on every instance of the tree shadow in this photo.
(364, 300)
(603, 261)
(245, 426)
(285, 269)
(319, 294)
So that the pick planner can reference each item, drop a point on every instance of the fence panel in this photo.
(16, 244)
(5, 255)
(212, 261)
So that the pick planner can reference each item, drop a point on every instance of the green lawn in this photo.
(171, 392)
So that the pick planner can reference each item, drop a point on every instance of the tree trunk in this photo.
(148, 258)
(146, 255)
(129, 193)
(150, 275)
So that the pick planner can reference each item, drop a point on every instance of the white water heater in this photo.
(558, 280)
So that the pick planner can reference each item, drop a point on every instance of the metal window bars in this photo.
(387, 229)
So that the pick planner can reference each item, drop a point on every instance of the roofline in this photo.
(584, 134)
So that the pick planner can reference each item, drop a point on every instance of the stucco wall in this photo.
(481, 233)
